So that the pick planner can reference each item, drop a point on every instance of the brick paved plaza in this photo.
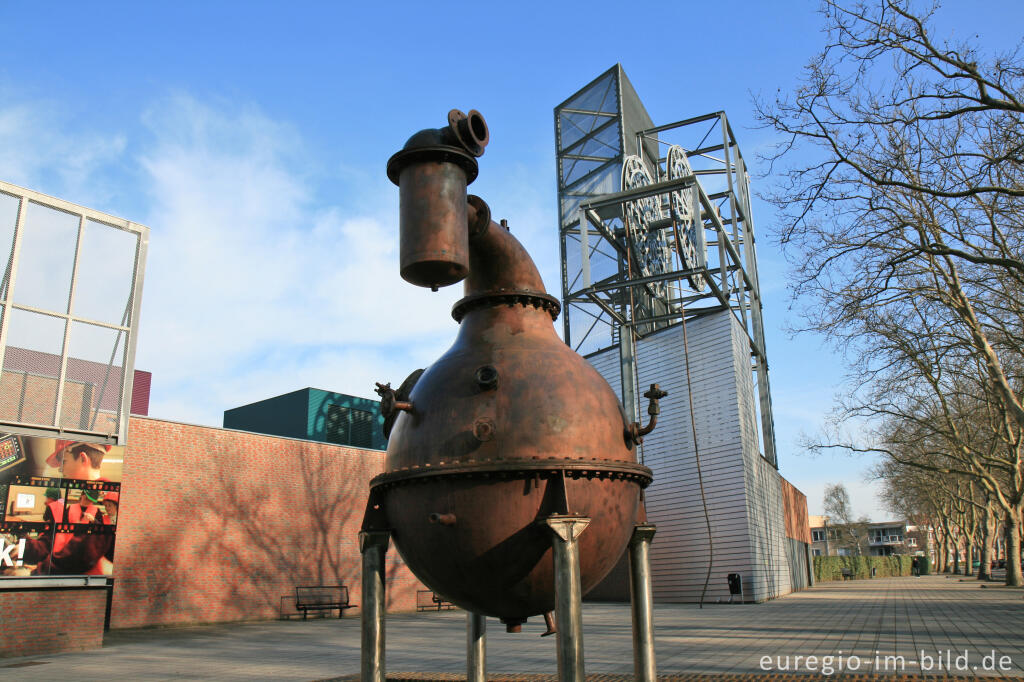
(892, 616)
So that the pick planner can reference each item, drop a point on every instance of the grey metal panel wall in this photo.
(607, 364)
(770, 575)
(743, 491)
(679, 554)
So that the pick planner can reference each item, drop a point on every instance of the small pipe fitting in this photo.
(470, 130)
(478, 215)
(634, 432)
(513, 624)
(443, 519)
(549, 622)
(487, 378)
(389, 402)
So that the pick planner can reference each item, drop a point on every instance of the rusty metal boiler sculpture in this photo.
(510, 483)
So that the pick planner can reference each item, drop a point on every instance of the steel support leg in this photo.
(374, 547)
(644, 667)
(476, 647)
(568, 594)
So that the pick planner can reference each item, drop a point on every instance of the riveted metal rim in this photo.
(509, 298)
(519, 468)
(438, 153)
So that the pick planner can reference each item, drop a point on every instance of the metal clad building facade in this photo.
(656, 228)
(743, 491)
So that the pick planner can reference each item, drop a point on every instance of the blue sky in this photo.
(252, 138)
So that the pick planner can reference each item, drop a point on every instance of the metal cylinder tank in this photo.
(432, 171)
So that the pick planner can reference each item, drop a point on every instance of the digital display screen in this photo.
(10, 452)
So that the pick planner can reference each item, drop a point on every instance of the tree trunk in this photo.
(950, 550)
(956, 556)
(943, 558)
(987, 542)
(1013, 574)
(970, 547)
(985, 570)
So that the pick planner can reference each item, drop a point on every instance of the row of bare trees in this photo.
(902, 192)
(965, 520)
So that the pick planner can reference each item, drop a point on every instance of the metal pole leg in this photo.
(374, 546)
(568, 594)
(644, 667)
(476, 647)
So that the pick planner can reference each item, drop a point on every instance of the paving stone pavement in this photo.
(864, 627)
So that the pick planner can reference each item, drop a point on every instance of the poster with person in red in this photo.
(60, 504)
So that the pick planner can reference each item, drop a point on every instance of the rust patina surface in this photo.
(507, 427)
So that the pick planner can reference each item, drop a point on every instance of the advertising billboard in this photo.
(60, 506)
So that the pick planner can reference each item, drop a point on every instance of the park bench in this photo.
(322, 598)
(428, 601)
(847, 574)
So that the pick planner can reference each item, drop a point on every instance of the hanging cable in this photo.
(693, 426)
(689, 386)
(635, 378)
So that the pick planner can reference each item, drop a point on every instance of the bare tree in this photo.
(910, 493)
(903, 218)
(851, 532)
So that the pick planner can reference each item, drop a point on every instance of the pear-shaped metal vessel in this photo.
(507, 428)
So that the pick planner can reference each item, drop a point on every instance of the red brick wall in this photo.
(795, 503)
(48, 621)
(28, 390)
(141, 383)
(218, 525)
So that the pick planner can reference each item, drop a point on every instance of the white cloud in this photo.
(254, 289)
(40, 151)
(255, 285)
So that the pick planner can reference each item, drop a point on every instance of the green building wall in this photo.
(306, 414)
(319, 403)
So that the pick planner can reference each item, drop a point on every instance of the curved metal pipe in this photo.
(636, 433)
(498, 263)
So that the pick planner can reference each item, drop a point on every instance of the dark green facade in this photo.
(313, 414)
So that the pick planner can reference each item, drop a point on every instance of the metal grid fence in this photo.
(69, 303)
(655, 226)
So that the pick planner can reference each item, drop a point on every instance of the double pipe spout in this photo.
(447, 235)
